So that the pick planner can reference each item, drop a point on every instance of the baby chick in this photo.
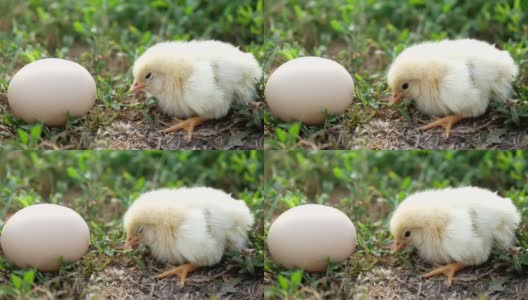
(454, 226)
(191, 227)
(198, 80)
(452, 78)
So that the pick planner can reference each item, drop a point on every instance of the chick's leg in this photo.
(182, 271)
(446, 122)
(448, 270)
(187, 125)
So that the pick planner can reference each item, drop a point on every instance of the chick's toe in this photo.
(187, 125)
(446, 122)
(182, 271)
(448, 270)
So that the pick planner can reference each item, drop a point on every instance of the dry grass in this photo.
(138, 126)
(397, 132)
(120, 278)
(130, 130)
(125, 281)
(388, 129)
(488, 281)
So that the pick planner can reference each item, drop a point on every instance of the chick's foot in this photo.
(187, 125)
(448, 270)
(182, 271)
(446, 122)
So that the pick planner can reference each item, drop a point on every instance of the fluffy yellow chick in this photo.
(191, 227)
(196, 80)
(452, 78)
(454, 226)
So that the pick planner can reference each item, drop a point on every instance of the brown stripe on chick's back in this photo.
(473, 220)
(207, 216)
(471, 71)
(216, 74)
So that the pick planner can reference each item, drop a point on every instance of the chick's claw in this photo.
(182, 271)
(187, 125)
(448, 270)
(446, 122)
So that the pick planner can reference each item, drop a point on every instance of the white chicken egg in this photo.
(306, 88)
(42, 235)
(48, 90)
(307, 236)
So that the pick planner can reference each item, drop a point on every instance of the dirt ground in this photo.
(391, 128)
(485, 132)
(132, 129)
(222, 281)
(398, 282)
(390, 279)
(121, 279)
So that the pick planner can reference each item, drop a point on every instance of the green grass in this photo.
(365, 36)
(100, 185)
(105, 36)
(367, 186)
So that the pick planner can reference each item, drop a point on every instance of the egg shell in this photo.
(304, 88)
(39, 235)
(306, 236)
(47, 90)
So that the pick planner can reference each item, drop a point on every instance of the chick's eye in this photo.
(407, 234)
(139, 230)
(148, 75)
(405, 86)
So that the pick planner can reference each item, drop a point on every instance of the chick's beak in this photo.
(396, 97)
(136, 87)
(398, 245)
(132, 242)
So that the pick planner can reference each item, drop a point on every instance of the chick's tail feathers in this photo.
(237, 237)
(248, 74)
(246, 91)
(504, 236)
(501, 88)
